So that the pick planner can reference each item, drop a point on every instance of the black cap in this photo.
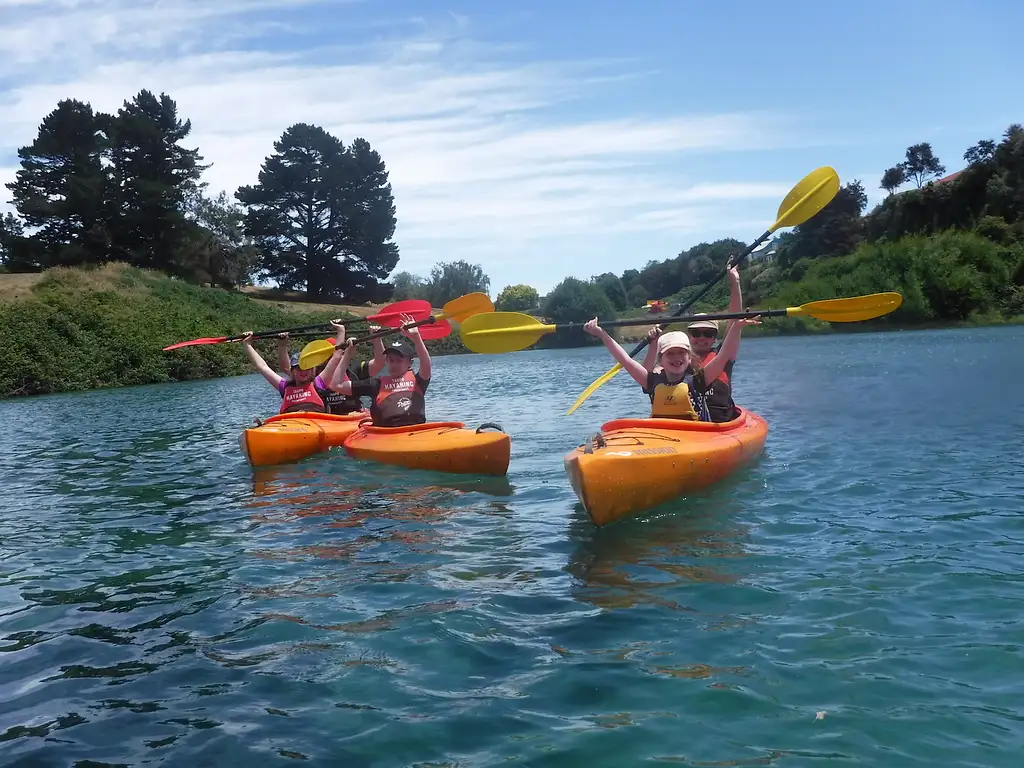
(403, 348)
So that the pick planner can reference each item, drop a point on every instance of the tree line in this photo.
(954, 246)
(96, 187)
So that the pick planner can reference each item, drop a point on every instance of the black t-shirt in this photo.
(340, 404)
(719, 395)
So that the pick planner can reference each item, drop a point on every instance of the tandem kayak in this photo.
(635, 464)
(439, 446)
(287, 437)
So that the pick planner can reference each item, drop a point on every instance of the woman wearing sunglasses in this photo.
(702, 335)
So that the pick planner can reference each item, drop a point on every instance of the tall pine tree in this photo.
(322, 216)
(60, 188)
(151, 176)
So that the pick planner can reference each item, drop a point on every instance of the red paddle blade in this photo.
(391, 315)
(196, 342)
(436, 330)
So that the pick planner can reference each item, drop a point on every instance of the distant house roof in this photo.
(951, 176)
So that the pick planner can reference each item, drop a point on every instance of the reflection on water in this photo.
(640, 561)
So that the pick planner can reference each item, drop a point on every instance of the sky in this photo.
(541, 139)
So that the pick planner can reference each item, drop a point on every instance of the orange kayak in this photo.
(635, 464)
(287, 437)
(439, 446)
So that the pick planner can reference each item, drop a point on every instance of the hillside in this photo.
(69, 329)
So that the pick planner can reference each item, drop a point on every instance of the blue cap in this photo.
(295, 359)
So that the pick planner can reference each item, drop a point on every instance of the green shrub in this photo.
(106, 327)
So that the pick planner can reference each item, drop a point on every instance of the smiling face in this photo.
(675, 360)
(702, 339)
(397, 363)
(302, 376)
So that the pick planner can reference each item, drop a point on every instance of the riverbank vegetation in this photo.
(87, 328)
(952, 245)
(128, 252)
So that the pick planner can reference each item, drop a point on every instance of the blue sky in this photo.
(542, 140)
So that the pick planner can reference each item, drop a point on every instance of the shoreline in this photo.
(1014, 323)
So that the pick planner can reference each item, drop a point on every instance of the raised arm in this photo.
(631, 366)
(342, 363)
(284, 359)
(258, 362)
(413, 334)
(729, 347)
(334, 364)
(735, 299)
(651, 356)
(377, 363)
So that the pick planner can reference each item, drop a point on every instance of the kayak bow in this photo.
(635, 464)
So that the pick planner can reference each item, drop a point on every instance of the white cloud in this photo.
(492, 159)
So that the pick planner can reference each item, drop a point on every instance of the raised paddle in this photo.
(436, 330)
(390, 316)
(316, 349)
(812, 193)
(459, 310)
(512, 331)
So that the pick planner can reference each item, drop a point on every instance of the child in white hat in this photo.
(677, 388)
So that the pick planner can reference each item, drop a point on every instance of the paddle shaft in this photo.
(301, 330)
(268, 334)
(543, 329)
(681, 319)
(388, 331)
(733, 261)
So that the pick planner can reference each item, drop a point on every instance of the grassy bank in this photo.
(75, 329)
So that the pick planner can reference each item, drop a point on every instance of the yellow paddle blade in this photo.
(850, 310)
(492, 333)
(812, 193)
(315, 353)
(465, 307)
(598, 383)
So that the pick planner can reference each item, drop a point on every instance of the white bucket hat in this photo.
(673, 340)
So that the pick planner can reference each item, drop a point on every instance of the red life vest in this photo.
(723, 376)
(296, 397)
(399, 401)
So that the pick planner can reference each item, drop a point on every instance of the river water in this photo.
(853, 598)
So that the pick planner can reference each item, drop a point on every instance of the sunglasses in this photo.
(702, 333)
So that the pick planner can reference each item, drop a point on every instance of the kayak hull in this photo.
(288, 437)
(633, 465)
(434, 446)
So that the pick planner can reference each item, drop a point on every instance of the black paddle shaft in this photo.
(733, 261)
(387, 332)
(683, 318)
(267, 334)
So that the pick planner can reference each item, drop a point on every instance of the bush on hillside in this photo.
(953, 276)
(106, 327)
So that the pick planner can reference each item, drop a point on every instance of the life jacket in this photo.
(296, 397)
(340, 404)
(677, 400)
(399, 401)
(719, 395)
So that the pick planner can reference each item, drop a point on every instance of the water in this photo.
(854, 598)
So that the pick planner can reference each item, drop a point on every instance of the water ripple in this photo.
(851, 598)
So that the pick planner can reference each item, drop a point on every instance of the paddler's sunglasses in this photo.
(702, 333)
